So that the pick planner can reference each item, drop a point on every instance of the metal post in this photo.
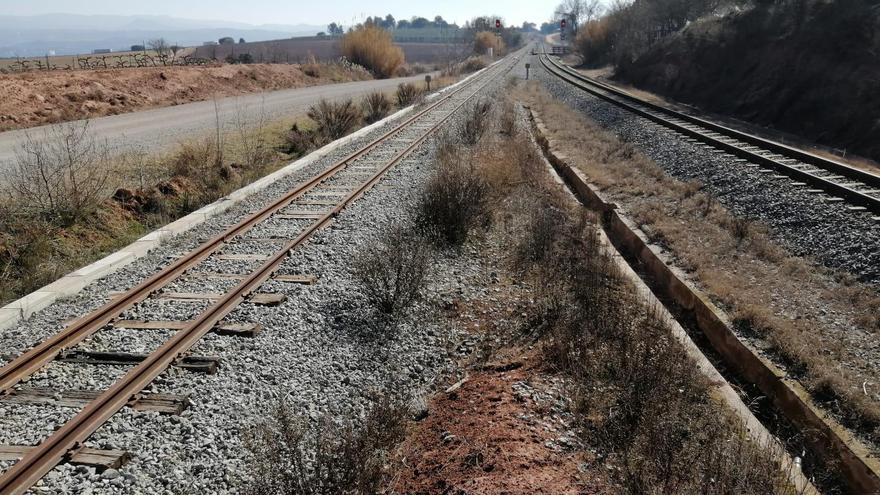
(528, 66)
(428, 82)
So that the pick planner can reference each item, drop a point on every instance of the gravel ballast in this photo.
(320, 351)
(805, 223)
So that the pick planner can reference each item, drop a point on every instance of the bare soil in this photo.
(37, 98)
(497, 433)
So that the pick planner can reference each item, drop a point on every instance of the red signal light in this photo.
(563, 23)
(497, 23)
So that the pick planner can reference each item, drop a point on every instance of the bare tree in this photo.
(64, 175)
(578, 12)
(160, 46)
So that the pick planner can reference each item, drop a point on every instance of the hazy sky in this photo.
(318, 12)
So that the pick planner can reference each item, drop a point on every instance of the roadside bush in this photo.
(289, 457)
(408, 94)
(453, 202)
(373, 48)
(334, 120)
(62, 176)
(300, 141)
(391, 270)
(376, 107)
(473, 64)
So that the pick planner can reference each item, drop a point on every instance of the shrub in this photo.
(473, 64)
(373, 48)
(453, 202)
(63, 176)
(391, 271)
(407, 94)
(334, 120)
(300, 141)
(290, 458)
(485, 40)
(375, 107)
(475, 123)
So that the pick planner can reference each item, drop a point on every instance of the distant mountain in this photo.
(68, 34)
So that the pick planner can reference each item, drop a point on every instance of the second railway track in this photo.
(835, 180)
(260, 243)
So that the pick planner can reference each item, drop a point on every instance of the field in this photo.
(65, 62)
(303, 49)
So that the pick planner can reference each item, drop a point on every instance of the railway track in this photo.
(283, 225)
(835, 181)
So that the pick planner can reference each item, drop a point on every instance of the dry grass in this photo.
(775, 297)
(484, 40)
(408, 94)
(373, 48)
(292, 457)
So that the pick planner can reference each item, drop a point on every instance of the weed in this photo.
(373, 48)
(334, 120)
(408, 94)
(475, 122)
(391, 271)
(376, 107)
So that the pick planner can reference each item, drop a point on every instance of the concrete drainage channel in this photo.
(182, 305)
(826, 438)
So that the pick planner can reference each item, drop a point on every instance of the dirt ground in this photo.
(500, 432)
(38, 98)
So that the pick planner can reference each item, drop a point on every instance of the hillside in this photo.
(811, 72)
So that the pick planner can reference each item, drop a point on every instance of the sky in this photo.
(293, 11)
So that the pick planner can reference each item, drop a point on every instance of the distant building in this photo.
(100, 51)
(137, 48)
(210, 43)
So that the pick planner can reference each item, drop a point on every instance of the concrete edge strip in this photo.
(74, 282)
(858, 467)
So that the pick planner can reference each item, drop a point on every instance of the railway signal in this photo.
(528, 66)
(562, 25)
(497, 23)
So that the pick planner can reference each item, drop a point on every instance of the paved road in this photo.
(152, 130)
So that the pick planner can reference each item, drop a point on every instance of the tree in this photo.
(335, 29)
(226, 40)
(403, 24)
(389, 22)
(159, 45)
(440, 22)
(578, 12)
(419, 22)
(529, 26)
(241, 41)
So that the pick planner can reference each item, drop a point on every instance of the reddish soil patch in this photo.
(496, 435)
(37, 98)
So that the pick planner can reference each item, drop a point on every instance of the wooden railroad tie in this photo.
(161, 403)
(231, 329)
(100, 459)
(196, 364)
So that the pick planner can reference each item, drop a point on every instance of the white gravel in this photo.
(319, 350)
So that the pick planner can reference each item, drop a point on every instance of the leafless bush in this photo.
(391, 270)
(507, 120)
(334, 120)
(408, 94)
(453, 202)
(62, 176)
(376, 107)
(300, 141)
(290, 458)
(475, 123)
(254, 149)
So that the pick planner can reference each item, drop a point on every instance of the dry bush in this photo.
(453, 202)
(300, 141)
(291, 458)
(475, 122)
(376, 107)
(373, 48)
(63, 176)
(507, 120)
(408, 94)
(485, 40)
(473, 64)
(334, 120)
(391, 270)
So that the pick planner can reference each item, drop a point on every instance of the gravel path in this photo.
(803, 222)
(161, 128)
(319, 350)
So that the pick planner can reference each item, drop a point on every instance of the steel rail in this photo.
(67, 439)
(662, 115)
(38, 356)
